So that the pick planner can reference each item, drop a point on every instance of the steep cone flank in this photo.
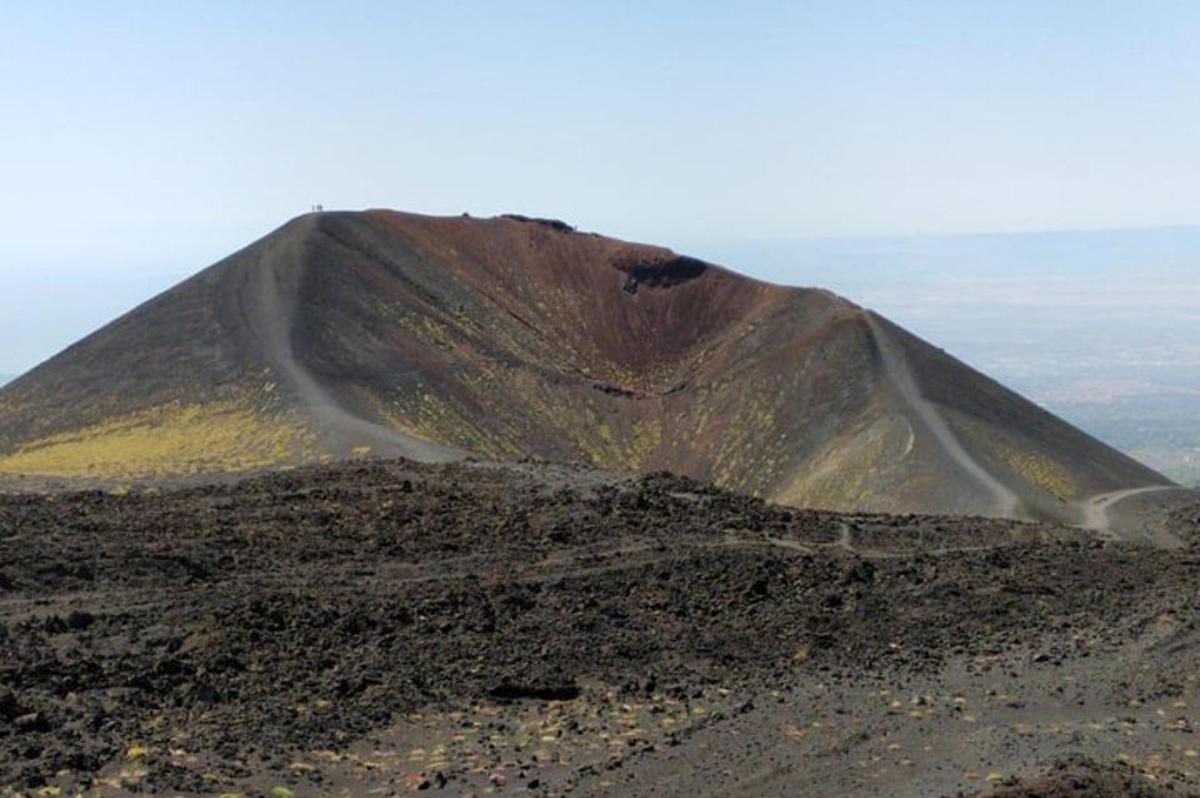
(396, 334)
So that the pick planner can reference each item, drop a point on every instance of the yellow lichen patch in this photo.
(136, 751)
(646, 437)
(170, 439)
(847, 472)
(438, 420)
(1043, 472)
(1035, 467)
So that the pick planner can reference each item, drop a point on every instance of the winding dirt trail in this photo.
(268, 296)
(1098, 515)
(1007, 503)
(1096, 509)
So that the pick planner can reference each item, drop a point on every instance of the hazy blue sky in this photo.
(140, 141)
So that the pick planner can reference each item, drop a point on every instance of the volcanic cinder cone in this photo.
(386, 333)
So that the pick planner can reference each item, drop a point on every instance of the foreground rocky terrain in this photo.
(385, 627)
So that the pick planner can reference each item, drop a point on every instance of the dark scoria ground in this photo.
(386, 627)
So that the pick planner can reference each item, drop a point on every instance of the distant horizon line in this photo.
(1063, 231)
(552, 216)
(1019, 231)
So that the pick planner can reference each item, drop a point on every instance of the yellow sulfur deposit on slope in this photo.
(170, 439)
